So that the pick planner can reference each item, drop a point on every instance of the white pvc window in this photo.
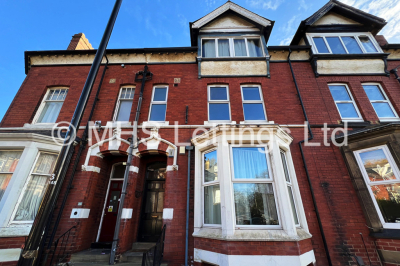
(253, 103)
(35, 187)
(231, 47)
(211, 189)
(50, 108)
(345, 103)
(218, 103)
(253, 188)
(158, 106)
(8, 163)
(124, 104)
(380, 102)
(289, 185)
(344, 43)
(382, 177)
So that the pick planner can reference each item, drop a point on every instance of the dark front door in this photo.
(153, 205)
(111, 211)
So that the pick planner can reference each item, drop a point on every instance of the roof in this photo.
(265, 25)
(373, 23)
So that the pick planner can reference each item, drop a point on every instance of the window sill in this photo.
(389, 120)
(352, 120)
(215, 123)
(40, 125)
(254, 122)
(119, 124)
(155, 123)
(15, 230)
(386, 233)
(251, 234)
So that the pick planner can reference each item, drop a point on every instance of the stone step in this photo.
(91, 255)
(142, 246)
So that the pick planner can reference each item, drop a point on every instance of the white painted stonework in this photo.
(126, 213)
(168, 213)
(229, 22)
(213, 68)
(90, 168)
(355, 66)
(79, 213)
(134, 169)
(253, 260)
(11, 254)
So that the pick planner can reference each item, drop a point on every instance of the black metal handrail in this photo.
(154, 255)
(62, 253)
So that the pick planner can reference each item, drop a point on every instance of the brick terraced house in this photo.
(292, 197)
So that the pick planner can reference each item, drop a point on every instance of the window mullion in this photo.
(360, 44)
(327, 44)
(345, 48)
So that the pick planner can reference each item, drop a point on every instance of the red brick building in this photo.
(265, 188)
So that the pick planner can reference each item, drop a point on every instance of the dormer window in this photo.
(231, 47)
(343, 43)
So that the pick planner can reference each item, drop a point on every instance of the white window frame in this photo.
(271, 180)
(119, 100)
(12, 221)
(43, 104)
(232, 46)
(208, 184)
(12, 173)
(355, 119)
(253, 101)
(396, 173)
(218, 101)
(396, 118)
(158, 102)
(356, 35)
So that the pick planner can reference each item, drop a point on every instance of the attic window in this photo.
(231, 47)
(343, 43)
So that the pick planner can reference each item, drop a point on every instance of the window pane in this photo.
(127, 93)
(251, 93)
(208, 48)
(160, 94)
(285, 168)
(218, 93)
(212, 205)
(219, 111)
(223, 47)
(377, 165)
(321, 46)
(339, 93)
(50, 112)
(254, 47)
(255, 204)
(373, 92)
(383, 110)
(253, 111)
(250, 163)
(240, 47)
(4, 180)
(30, 202)
(158, 112)
(387, 197)
(9, 160)
(45, 164)
(351, 45)
(347, 110)
(124, 111)
(210, 166)
(368, 46)
(336, 45)
(296, 219)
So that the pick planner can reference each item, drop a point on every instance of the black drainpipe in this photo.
(394, 71)
(328, 257)
(133, 141)
(75, 166)
(189, 149)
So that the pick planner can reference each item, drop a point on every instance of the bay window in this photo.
(380, 102)
(289, 188)
(51, 105)
(8, 163)
(212, 195)
(343, 43)
(382, 177)
(231, 47)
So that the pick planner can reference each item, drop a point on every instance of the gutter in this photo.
(328, 257)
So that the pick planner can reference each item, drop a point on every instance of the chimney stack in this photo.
(79, 42)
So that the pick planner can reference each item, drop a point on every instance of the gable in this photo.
(333, 18)
(229, 21)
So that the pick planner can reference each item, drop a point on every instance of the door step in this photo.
(142, 246)
(101, 245)
(91, 255)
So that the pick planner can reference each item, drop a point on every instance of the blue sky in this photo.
(48, 25)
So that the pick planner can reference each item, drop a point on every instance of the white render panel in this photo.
(126, 213)
(229, 21)
(254, 260)
(168, 213)
(333, 19)
(239, 68)
(10, 254)
(80, 213)
(356, 66)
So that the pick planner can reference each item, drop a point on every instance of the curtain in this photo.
(212, 205)
(45, 164)
(250, 163)
(254, 47)
(223, 47)
(240, 47)
(209, 48)
(30, 202)
(8, 163)
(50, 112)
